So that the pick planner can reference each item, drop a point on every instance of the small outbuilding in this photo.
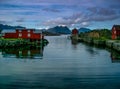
(116, 32)
(74, 34)
(75, 31)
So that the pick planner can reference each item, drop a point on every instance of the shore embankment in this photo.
(113, 44)
(7, 43)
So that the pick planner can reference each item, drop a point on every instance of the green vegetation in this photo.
(6, 43)
(102, 34)
(0, 33)
(100, 38)
(118, 38)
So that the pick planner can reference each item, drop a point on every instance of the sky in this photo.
(39, 14)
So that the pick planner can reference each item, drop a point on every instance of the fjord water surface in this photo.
(64, 65)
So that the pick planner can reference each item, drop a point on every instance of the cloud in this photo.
(82, 3)
(50, 10)
(70, 21)
(85, 19)
(103, 18)
(84, 24)
(102, 14)
(101, 11)
(59, 12)
(3, 22)
(20, 20)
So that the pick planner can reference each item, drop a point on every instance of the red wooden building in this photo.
(115, 32)
(74, 34)
(31, 34)
(75, 31)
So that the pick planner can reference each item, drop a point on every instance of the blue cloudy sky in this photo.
(49, 13)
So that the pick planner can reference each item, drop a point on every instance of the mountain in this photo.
(84, 30)
(46, 33)
(51, 31)
(9, 27)
(50, 34)
(59, 30)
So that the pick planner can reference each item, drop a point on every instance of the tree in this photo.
(0, 32)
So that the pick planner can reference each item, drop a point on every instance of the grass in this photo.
(11, 42)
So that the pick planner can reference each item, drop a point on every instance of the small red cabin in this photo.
(115, 32)
(31, 34)
(75, 31)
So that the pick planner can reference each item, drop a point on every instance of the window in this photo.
(28, 30)
(20, 35)
(29, 34)
(114, 28)
(114, 32)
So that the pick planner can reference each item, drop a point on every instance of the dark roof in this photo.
(25, 29)
(74, 29)
(117, 27)
(8, 31)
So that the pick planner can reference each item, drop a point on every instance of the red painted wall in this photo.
(24, 34)
(10, 35)
(74, 31)
(115, 32)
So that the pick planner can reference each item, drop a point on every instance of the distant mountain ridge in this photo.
(59, 30)
(84, 30)
(54, 30)
(2, 27)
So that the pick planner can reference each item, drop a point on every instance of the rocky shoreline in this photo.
(113, 44)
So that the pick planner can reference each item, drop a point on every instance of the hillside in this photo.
(97, 34)
(82, 30)
(59, 30)
(9, 27)
(51, 31)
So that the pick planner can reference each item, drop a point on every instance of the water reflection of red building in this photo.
(25, 53)
(115, 57)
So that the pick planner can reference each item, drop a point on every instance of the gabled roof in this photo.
(117, 27)
(8, 31)
(25, 29)
(74, 29)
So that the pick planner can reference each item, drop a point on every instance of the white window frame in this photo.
(29, 35)
(114, 28)
(20, 34)
(114, 31)
(28, 30)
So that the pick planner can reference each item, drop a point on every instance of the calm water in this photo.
(61, 65)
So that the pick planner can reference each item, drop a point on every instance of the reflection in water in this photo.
(93, 50)
(32, 53)
(74, 43)
(115, 56)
